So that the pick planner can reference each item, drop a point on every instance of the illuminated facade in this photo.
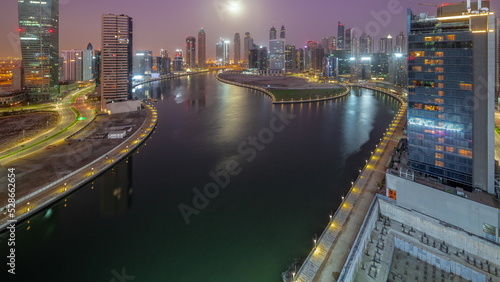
(143, 63)
(72, 67)
(340, 36)
(178, 61)
(222, 52)
(247, 45)
(116, 58)
(451, 70)
(202, 48)
(39, 37)
(277, 55)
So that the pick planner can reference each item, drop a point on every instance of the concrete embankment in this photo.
(56, 190)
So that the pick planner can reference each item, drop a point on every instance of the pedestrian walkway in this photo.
(326, 260)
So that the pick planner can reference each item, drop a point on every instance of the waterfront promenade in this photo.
(330, 253)
(50, 193)
(290, 84)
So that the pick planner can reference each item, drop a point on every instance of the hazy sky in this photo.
(165, 24)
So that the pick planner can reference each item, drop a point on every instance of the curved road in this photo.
(67, 126)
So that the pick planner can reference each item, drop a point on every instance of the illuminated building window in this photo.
(465, 153)
(439, 69)
(440, 117)
(439, 54)
(433, 62)
(440, 93)
(439, 148)
(418, 106)
(439, 163)
(439, 101)
(465, 86)
(417, 68)
(450, 149)
(450, 37)
(441, 109)
(430, 131)
(440, 77)
(441, 85)
(441, 140)
(431, 108)
(428, 38)
(417, 54)
(439, 156)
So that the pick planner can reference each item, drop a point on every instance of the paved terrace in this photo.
(327, 258)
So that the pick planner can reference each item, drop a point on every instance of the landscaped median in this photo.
(296, 95)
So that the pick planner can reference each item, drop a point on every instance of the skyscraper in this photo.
(348, 38)
(39, 37)
(202, 48)
(451, 69)
(88, 63)
(340, 36)
(272, 33)
(116, 58)
(277, 55)
(190, 52)
(222, 52)
(143, 63)
(401, 43)
(247, 45)
(237, 48)
(282, 32)
(365, 44)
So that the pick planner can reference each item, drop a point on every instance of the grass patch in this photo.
(305, 94)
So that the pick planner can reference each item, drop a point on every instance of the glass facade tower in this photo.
(39, 37)
(451, 72)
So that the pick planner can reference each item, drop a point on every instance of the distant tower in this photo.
(282, 32)
(39, 37)
(222, 52)
(237, 48)
(340, 36)
(247, 45)
(116, 57)
(348, 38)
(401, 43)
(202, 47)
(178, 60)
(190, 52)
(272, 33)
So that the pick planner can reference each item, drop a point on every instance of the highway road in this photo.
(54, 136)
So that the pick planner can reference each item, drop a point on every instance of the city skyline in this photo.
(217, 19)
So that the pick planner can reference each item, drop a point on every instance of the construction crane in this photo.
(424, 4)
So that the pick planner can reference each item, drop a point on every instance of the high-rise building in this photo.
(116, 57)
(348, 38)
(380, 65)
(401, 43)
(331, 66)
(272, 33)
(190, 52)
(398, 69)
(237, 48)
(290, 58)
(340, 36)
(365, 44)
(277, 55)
(262, 59)
(143, 62)
(222, 52)
(355, 48)
(385, 45)
(39, 37)
(282, 32)
(247, 45)
(318, 54)
(88, 63)
(451, 70)
(308, 56)
(253, 58)
(72, 65)
(178, 61)
(202, 48)
(165, 62)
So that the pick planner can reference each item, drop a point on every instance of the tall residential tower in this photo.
(202, 48)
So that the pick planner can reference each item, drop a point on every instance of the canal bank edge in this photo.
(273, 98)
(322, 251)
(137, 138)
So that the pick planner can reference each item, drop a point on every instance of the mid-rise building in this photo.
(365, 44)
(451, 69)
(143, 63)
(116, 57)
(290, 58)
(72, 67)
(202, 48)
(178, 61)
(190, 52)
(385, 45)
(39, 37)
(247, 45)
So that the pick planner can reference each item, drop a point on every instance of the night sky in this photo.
(165, 24)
